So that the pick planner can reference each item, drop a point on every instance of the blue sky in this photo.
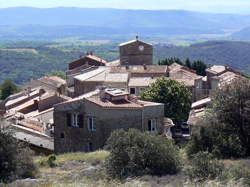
(220, 6)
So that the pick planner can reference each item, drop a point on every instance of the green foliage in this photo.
(233, 53)
(51, 160)
(176, 97)
(225, 129)
(197, 65)
(41, 57)
(134, 153)
(8, 88)
(60, 74)
(203, 167)
(15, 158)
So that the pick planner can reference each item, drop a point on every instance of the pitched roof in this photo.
(114, 104)
(90, 74)
(139, 69)
(216, 69)
(133, 41)
(91, 57)
(141, 81)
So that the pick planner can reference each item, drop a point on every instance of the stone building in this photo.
(85, 123)
(136, 52)
(88, 60)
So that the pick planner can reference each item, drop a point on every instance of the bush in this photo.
(134, 153)
(51, 160)
(15, 158)
(203, 167)
(213, 141)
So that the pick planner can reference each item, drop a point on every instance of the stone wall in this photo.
(106, 121)
(130, 54)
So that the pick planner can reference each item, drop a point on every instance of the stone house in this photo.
(89, 59)
(84, 124)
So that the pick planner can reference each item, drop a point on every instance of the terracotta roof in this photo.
(216, 69)
(184, 76)
(141, 81)
(114, 104)
(92, 57)
(96, 59)
(53, 80)
(139, 69)
(228, 77)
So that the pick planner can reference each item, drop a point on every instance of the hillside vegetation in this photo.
(232, 53)
(23, 60)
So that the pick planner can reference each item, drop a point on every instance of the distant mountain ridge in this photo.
(118, 21)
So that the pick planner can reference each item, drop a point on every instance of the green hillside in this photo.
(21, 61)
(233, 53)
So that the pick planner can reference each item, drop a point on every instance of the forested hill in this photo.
(233, 53)
(22, 60)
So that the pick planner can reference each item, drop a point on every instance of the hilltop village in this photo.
(98, 97)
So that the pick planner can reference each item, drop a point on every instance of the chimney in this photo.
(127, 67)
(137, 37)
(102, 93)
(144, 66)
(87, 53)
(91, 52)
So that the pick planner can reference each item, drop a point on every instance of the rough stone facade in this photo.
(136, 53)
(71, 139)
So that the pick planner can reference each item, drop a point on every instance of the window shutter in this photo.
(80, 118)
(69, 119)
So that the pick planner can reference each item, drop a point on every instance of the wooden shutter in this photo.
(69, 119)
(80, 118)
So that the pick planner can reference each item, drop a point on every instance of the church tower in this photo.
(136, 52)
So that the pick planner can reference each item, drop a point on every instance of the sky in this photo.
(215, 6)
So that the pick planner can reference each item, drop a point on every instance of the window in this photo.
(91, 124)
(132, 90)
(152, 125)
(75, 120)
(89, 147)
(62, 135)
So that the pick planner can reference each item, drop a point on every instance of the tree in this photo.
(226, 127)
(200, 67)
(134, 153)
(15, 157)
(188, 63)
(175, 95)
(8, 88)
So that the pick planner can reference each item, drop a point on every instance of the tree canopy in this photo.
(175, 95)
(8, 88)
(134, 153)
(197, 65)
(226, 127)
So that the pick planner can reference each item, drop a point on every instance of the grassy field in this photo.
(86, 169)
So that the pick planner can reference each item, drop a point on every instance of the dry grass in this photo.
(22, 50)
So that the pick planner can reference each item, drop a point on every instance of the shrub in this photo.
(51, 160)
(203, 167)
(15, 158)
(134, 153)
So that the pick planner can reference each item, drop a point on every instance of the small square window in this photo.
(132, 90)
